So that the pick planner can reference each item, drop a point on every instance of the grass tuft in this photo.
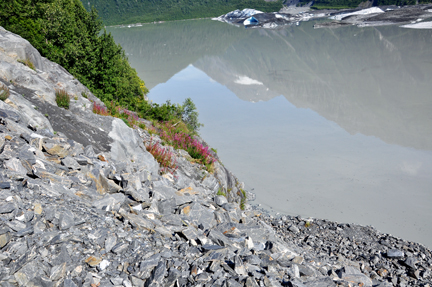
(62, 99)
(243, 199)
(28, 63)
(220, 192)
(4, 92)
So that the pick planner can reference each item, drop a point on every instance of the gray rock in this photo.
(5, 185)
(70, 163)
(150, 263)
(136, 282)
(120, 247)
(127, 146)
(141, 195)
(7, 113)
(293, 229)
(109, 202)
(110, 242)
(58, 272)
(69, 283)
(190, 233)
(109, 185)
(220, 200)
(83, 160)
(239, 266)
(16, 225)
(4, 239)
(14, 164)
(395, 253)
(158, 274)
(359, 279)
(7, 208)
(411, 262)
(167, 206)
(66, 220)
(29, 115)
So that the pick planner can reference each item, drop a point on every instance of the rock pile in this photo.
(82, 203)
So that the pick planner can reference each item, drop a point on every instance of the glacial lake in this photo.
(323, 123)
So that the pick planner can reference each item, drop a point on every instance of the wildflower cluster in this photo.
(100, 110)
(131, 117)
(175, 133)
(163, 156)
(181, 140)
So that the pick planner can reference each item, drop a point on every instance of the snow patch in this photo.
(245, 80)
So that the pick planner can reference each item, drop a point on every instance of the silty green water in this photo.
(327, 123)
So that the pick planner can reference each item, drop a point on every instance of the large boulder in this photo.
(128, 146)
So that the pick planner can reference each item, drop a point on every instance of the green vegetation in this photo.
(220, 192)
(62, 99)
(65, 33)
(4, 92)
(124, 11)
(28, 63)
(172, 123)
(243, 199)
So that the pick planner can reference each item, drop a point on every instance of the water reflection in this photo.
(350, 138)
(371, 81)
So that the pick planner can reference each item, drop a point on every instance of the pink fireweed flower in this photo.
(100, 110)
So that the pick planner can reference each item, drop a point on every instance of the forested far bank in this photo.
(115, 12)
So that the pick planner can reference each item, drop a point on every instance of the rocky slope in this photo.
(82, 203)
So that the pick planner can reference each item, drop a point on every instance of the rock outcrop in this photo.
(82, 203)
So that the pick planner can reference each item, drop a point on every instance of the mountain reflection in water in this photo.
(374, 83)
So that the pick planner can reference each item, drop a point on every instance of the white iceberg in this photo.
(420, 25)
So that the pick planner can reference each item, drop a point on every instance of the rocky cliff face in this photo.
(82, 203)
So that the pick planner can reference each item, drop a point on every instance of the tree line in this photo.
(125, 11)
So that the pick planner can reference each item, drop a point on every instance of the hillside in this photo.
(83, 203)
(115, 12)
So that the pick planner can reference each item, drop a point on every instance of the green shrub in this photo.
(190, 115)
(4, 92)
(62, 99)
